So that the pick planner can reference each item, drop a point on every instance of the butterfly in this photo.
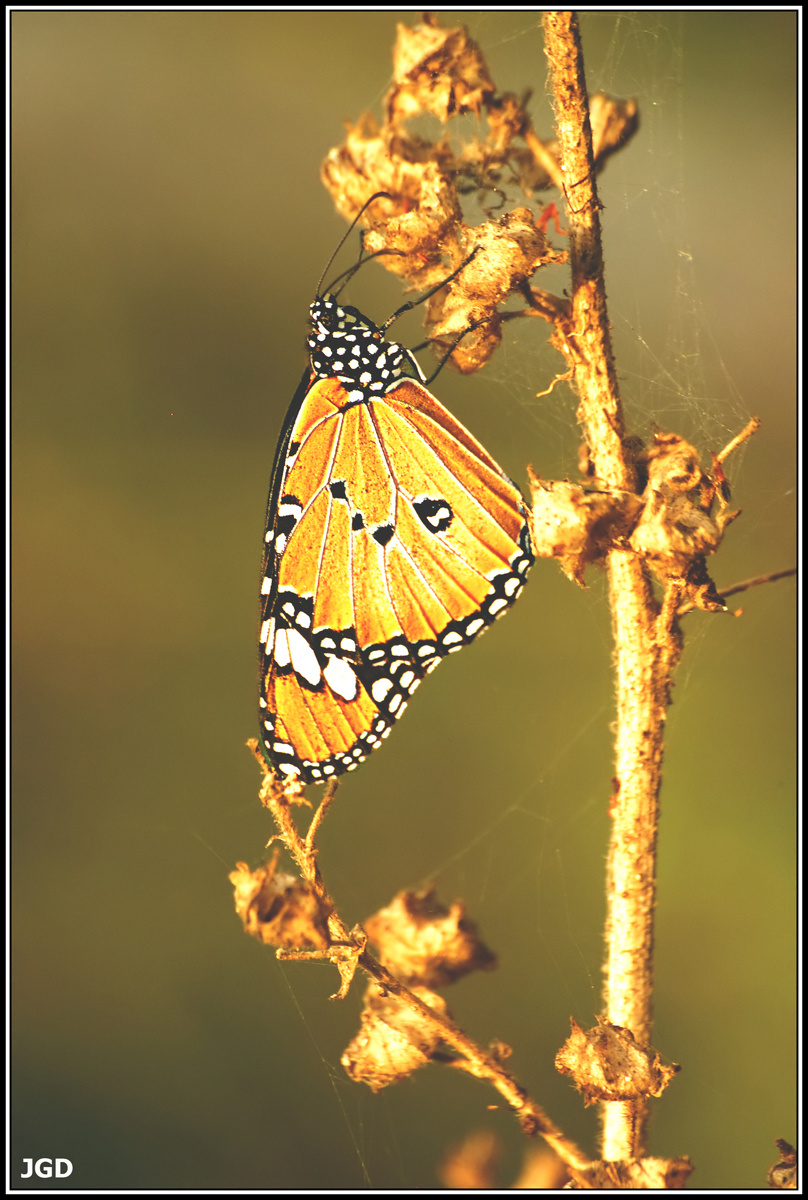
(392, 539)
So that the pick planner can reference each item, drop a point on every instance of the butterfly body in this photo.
(393, 539)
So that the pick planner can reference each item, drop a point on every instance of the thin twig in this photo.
(317, 819)
(756, 582)
(744, 586)
(751, 427)
(531, 1115)
(543, 156)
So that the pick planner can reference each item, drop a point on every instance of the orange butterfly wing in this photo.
(393, 539)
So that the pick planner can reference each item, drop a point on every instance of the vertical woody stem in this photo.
(645, 646)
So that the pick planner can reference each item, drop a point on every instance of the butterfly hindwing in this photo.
(393, 539)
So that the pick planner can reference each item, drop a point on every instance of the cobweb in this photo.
(670, 365)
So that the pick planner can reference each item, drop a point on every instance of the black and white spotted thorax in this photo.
(345, 345)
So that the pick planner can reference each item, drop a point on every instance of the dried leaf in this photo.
(577, 525)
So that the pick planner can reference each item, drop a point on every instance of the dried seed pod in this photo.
(420, 941)
(606, 1063)
(394, 1040)
(279, 909)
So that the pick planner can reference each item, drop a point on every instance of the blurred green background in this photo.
(169, 229)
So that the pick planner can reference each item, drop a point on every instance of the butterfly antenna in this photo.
(348, 274)
(414, 303)
(450, 351)
(358, 217)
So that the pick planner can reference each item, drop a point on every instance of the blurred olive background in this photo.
(169, 229)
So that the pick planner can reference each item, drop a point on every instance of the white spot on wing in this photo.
(341, 678)
(282, 653)
(380, 689)
(302, 657)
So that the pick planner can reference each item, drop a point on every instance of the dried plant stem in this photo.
(646, 643)
(744, 586)
(758, 581)
(531, 1115)
(751, 427)
(583, 336)
(349, 951)
(543, 156)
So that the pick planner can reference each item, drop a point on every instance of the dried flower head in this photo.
(606, 1063)
(279, 909)
(420, 228)
(420, 941)
(393, 1041)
